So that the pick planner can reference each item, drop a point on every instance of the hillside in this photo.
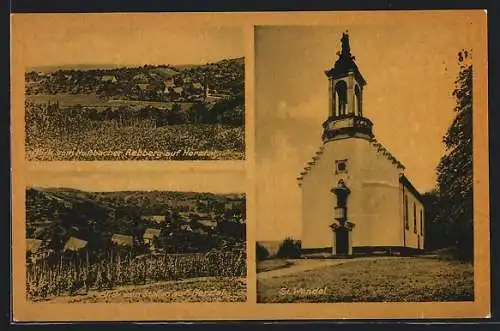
(54, 215)
(149, 82)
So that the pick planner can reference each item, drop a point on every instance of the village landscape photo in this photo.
(134, 246)
(364, 136)
(110, 91)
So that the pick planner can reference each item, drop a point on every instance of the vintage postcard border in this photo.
(21, 170)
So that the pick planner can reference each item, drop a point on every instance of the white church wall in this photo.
(414, 237)
(374, 205)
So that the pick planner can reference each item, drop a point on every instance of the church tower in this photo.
(355, 197)
(345, 86)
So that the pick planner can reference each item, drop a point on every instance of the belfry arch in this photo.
(340, 98)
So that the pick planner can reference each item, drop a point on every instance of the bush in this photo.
(261, 252)
(453, 254)
(290, 249)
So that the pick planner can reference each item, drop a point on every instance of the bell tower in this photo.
(345, 88)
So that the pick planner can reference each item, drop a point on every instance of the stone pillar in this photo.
(331, 93)
(351, 97)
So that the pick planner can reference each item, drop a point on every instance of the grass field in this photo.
(373, 280)
(92, 100)
(205, 289)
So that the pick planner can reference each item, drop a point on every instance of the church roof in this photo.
(373, 142)
(345, 63)
(406, 182)
(381, 149)
(310, 164)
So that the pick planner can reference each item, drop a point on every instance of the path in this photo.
(302, 265)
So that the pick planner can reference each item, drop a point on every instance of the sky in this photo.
(410, 66)
(122, 39)
(148, 176)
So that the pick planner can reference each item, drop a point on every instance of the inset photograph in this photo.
(364, 145)
(108, 87)
(134, 246)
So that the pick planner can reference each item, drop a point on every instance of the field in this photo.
(393, 279)
(118, 278)
(93, 100)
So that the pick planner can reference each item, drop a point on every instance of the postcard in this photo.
(250, 166)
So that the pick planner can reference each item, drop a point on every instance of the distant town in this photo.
(197, 83)
(155, 108)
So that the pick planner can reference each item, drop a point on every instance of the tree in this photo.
(454, 172)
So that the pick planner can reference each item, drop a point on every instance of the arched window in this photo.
(414, 218)
(405, 211)
(357, 105)
(341, 98)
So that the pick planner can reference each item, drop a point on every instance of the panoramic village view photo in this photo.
(134, 246)
(99, 92)
(364, 136)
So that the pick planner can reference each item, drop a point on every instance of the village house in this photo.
(186, 227)
(356, 197)
(197, 86)
(149, 235)
(74, 244)
(143, 87)
(154, 218)
(34, 249)
(210, 224)
(214, 96)
(169, 83)
(109, 78)
(179, 90)
(122, 240)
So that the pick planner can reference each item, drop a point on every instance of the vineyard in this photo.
(54, 133)
(115, 141)
(45, 280)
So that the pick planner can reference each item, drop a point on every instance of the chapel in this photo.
(355, 196)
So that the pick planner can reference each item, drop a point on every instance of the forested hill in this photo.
(53, 215)
(149, 82)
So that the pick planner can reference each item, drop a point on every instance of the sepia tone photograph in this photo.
(104, 87)
(368, 130)
(349, 168)
(126, 246)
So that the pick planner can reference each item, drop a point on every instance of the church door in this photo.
(342, 241)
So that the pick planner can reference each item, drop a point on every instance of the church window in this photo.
(407, 225)
(340, 166)
(414, 218)
(341, 98)
(421, 223)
